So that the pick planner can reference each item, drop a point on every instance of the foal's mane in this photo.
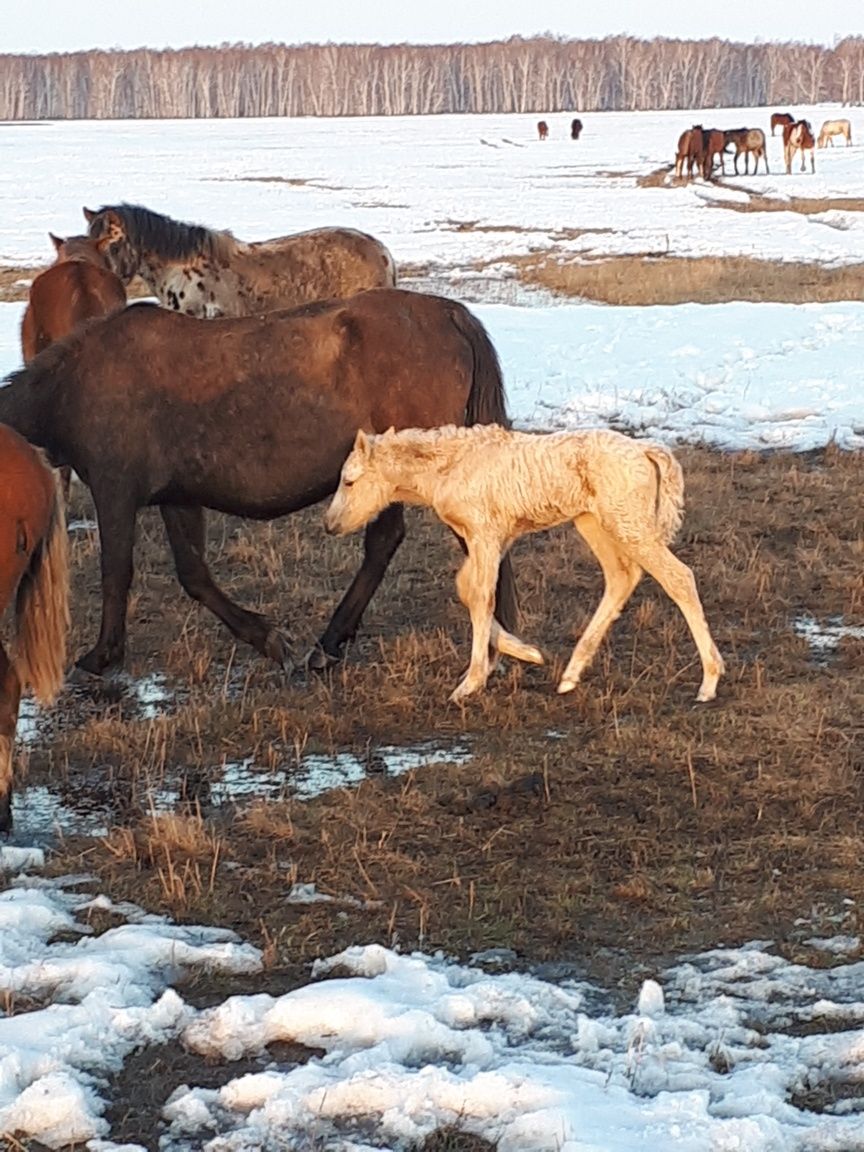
(171, 239)
(427, 443)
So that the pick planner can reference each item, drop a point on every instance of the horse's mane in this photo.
(425, 442)
(171, 239)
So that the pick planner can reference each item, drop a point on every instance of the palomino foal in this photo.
(491, 486)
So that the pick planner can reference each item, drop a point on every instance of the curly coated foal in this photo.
(491, 486)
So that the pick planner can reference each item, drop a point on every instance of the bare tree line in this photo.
(543, 74)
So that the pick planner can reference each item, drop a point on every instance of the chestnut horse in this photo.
(33, 572)
(206, 273)
(251, 416)
(78, 286)
(780, 119)
(691, 151)
(542, 129)
(798, 137)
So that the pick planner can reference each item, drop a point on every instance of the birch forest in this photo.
(542, 74)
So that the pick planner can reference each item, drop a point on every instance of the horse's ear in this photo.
(89, 215)
(361, 443)
(57, 241)
(391, 431)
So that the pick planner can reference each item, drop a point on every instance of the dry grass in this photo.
(806, 205)
(657, 278)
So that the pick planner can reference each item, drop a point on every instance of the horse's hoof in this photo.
(5, 815)
(566, 686)
(317, 660)
(276, 647)
(95, 664)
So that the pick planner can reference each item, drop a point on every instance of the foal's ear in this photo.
(361, 443)
(57, 241)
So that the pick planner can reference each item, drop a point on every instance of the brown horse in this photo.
(253, 417)
(542, 129)
(750, 141)
(780, 119)
(691, 151)
(575, 129)
(206, 273)
(33, 571)
(713, 146)
(78, 286)
(798, 137)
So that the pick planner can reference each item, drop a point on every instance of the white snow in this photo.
(718, 1050)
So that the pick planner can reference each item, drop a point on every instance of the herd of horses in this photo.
(216, 398)
(575, 129)
(701, 149)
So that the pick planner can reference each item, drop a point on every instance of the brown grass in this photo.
(656, 278)
(806, 205)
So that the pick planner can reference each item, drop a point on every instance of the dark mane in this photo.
(171, 239)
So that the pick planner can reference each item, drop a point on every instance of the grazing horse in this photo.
(798, 137)
(78, 286)
(206, 273)
(542, 129)
(253, 417)
(575, 129)
(33, 572)
(714, 145)
(779, 119)
(749, 141)
(832, 128)
(691, 150)
(491, 486)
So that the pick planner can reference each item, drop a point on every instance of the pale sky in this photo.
(68, 25)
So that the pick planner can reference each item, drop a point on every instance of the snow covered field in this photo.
(716, 1053)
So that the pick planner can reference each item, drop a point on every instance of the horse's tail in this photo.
(42, 609)
(487, 404)
(669, 500)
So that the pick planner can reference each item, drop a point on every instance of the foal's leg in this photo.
(475, 584)
(499, 638)
(383, 536)
(187, 536)
(10, 696)
(621, 575)
(678, 582)
(115, 513)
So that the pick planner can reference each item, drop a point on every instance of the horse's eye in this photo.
(346, 483)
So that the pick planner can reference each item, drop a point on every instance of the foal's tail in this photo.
(669, 500)
(487, 404)
(42, 609)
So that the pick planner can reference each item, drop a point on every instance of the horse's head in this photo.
(77, 248)
(363, 490)
(107, 231)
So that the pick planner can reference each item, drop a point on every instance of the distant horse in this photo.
(33, 572)
(78, 286)
(542, 129)
(713, 146)
(798, 137)
(205, 273)
(750, 141)
(779, 119)
(691, 151)
(832, 128)
(253, 417)
(575, 129)
(491, 486)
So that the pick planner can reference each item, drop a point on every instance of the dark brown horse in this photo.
(575, 129)
(251, 416)
(713, 147)
(33, 572)
(205, 273)
(779, 119)
(542, 129)
(78, 286)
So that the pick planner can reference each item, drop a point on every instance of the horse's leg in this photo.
(10, 696)
(187, 535)
(499, 638)
(475, 584)
(678, 582)
(115, 514)
(621, 575)
(383, 536)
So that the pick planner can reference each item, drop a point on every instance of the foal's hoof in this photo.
(276, 647)
(317, 660)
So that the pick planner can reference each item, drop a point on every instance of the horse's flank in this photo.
(207, 273)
